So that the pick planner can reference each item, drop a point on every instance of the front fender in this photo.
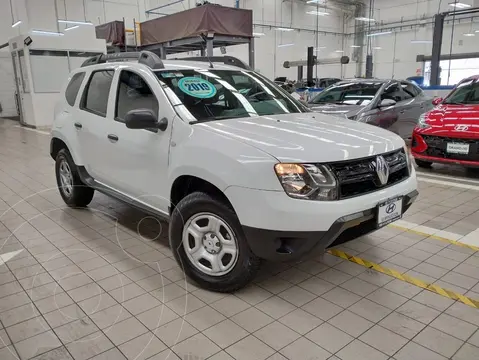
(220, 160)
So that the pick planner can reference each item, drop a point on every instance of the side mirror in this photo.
(387, 103)
(437, 101)
(144, 119)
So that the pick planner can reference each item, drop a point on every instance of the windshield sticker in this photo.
(197, 87)
(168, 75)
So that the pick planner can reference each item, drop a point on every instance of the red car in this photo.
(450, 132)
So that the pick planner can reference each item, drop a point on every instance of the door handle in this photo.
(78, 125)
(112, 137)
(402, 111)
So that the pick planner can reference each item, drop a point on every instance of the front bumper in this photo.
(434, 149)
(276, 245)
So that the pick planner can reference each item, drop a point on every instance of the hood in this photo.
(337, 109)
(445, 118)
(307, 137)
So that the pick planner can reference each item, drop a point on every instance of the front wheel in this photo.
(208, 242)
(423, 164)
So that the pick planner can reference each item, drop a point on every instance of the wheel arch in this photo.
(184, 185)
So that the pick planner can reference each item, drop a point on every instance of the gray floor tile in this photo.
(370, 310)
(112, 354)
(454, 326)
(418, 311)
(60, 353)
(125, 330)
(438, 341)
(250, 348)
(358, 350)
(300, 321)
(297, 296)
(37, 345)
(251, 319)
(387, 298)
(341, 297)
(413, 351)
(175, 332)
(206, 317)
(8, 353)
(225, 333)
(304, 349)
(359, 287)
(322, 309)
(351, 323)
(460, 280)
(142, 347)
(90, 346)
(402, 288)
(464, 312)
(433, 300)
(383, 340)
(329, 337)
(402, 325)
(26, 329)
(467, 352)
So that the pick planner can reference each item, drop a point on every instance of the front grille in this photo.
(437, 146)
(358, 177)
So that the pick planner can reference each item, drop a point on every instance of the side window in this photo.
(95, 96)
(133, 93)
(73, 87)
(395, 92)
(409, 89)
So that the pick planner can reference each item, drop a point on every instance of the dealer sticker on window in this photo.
(197, 87)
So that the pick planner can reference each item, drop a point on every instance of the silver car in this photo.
(391, 104)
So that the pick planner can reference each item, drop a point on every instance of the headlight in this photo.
(307, 181)
(408, 159)
(421, 123)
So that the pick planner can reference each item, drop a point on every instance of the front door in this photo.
(137, 160)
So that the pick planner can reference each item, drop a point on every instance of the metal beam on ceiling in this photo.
(437, 41)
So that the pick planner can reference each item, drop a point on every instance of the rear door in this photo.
(94, 121)
(413, 108)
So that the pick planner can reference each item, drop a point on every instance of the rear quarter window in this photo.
(73, 87)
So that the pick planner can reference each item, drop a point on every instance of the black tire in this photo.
(423, 164)
(247, 264)
(80, 195)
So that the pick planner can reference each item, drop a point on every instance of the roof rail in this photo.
(144, 57)
(227, 60)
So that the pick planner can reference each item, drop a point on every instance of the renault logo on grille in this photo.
(381, 167)
(461, 128)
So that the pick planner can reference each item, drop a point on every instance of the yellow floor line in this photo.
(404, 277)
(435, 237)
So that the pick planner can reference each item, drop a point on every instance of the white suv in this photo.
(242, 170)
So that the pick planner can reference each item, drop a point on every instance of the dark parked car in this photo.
(391, 104)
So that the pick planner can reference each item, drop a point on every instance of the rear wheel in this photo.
(423, 164)
(208, 242)
(72, 189)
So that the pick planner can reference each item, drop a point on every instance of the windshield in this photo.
(210, 94)
(466, 92)
(347, 93)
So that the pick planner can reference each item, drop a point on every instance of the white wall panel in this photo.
(7, 86)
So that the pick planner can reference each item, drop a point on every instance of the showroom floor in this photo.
(102, 284)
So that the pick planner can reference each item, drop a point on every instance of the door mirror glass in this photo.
(387, 103)
(141, 119)
(437, 101)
